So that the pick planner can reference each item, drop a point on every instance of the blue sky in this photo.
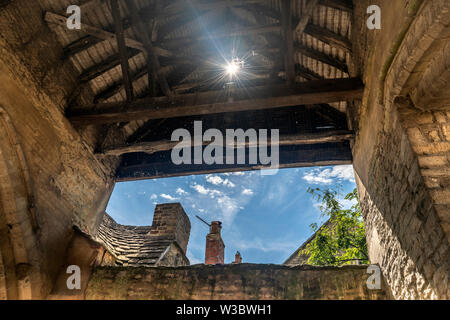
(266, 218)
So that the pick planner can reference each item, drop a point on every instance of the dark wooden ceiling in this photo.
(155, 66)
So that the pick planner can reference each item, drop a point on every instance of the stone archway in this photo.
(20, 259)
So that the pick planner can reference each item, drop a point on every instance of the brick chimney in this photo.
(215, 248)
(237, 258)
(170, 222)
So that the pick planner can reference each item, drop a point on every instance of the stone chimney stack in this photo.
(215, 248)
(170, 222)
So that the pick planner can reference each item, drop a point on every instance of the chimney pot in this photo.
(215, 228)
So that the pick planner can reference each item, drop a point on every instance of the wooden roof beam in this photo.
(322, 57)
(176, 8)
(284, 140)
(329, 37)
(105, 66)
(148, 12)
(158, 166)
(254, 30)
(306, 73)
(99, 33)
(260, 98)
(320, 33)
(180, 7)
(289, 61)
(310, 53)
(300, 71)
(122, 50)
(306, 16)
(343, 5)
(117, 87)
(152, 58)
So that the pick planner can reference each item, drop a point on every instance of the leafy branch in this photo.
(341, 239)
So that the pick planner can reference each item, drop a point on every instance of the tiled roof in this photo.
(133, 246)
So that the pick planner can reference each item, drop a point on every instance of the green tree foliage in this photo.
(342, 239)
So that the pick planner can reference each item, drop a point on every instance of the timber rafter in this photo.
(296, 76)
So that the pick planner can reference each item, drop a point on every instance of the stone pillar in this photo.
(215, 247)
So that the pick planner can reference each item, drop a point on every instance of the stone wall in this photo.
(242, 281)
(102, 279)
(405, 223)
(3, 294)
(403, 232)
(429, 134)
(60, 180)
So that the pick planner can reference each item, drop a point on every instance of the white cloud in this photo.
(200, 189)
(216, 180)
(228, 183)
(153, 197)
(181, 192)
(229, 208)
(168, 197)
(239, 173)
(205, 191)
(223, 206)
(327, 176)
(344, 172)
(318, 177)
(248, 192)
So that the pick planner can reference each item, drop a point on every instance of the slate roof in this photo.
(133, 246)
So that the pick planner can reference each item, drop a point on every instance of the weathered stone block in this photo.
(432, 161)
